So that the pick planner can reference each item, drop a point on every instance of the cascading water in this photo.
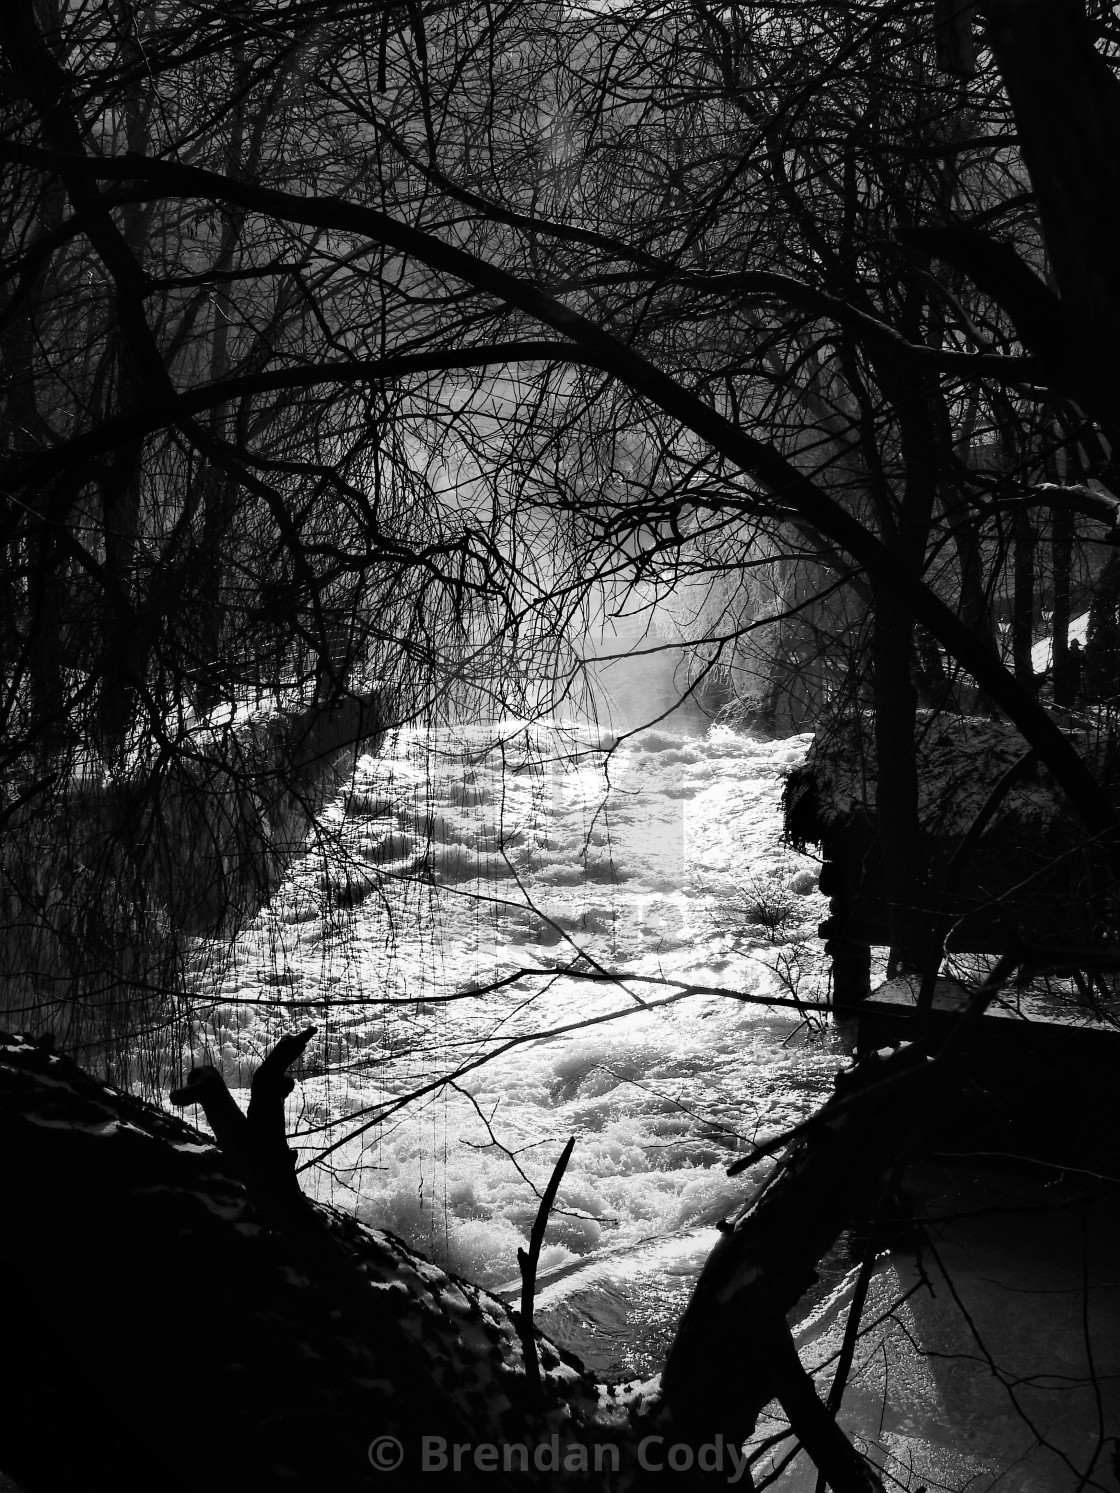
(508, 936)
(530, 863)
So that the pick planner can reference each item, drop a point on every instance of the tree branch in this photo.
(761, 460)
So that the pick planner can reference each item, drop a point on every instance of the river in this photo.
(463, 857)
(509, 936)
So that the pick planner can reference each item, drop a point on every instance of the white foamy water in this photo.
(462, 861)
(640, 908)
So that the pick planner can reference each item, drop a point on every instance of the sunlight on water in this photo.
(548, 859)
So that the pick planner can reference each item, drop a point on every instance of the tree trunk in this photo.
(830, 1178)
(1022, 605)
(892, 651)
(1066, 102)
(1064, 663)
(896, 786)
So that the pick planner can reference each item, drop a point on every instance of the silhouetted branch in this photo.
(255, 1142)
(527, 1262)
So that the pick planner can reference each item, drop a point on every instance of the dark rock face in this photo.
(161, 1330)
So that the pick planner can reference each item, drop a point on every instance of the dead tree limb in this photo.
(527, 1263)
(841, 1466)
(255, 1142)
(716, 1379)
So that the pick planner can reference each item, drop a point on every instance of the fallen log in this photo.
(173, 1316)
(732, 1354)
(302, 1349)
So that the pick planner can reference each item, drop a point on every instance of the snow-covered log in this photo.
(166, 1326)
(178, 1313)
(1034, 879)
